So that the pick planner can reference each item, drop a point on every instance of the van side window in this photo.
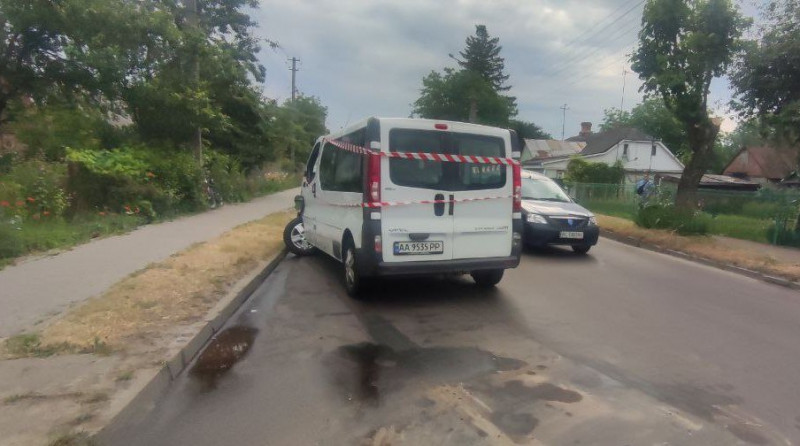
(312, 160)
(340, 170)
(479, 176)
(327, 167)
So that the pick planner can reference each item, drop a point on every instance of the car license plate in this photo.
(418, 248)
(566, 234)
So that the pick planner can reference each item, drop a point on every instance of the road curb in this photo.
(705, 261)
(146, 397)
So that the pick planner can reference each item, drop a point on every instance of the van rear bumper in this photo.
(446, 266)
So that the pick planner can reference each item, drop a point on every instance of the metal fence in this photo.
(768, 215)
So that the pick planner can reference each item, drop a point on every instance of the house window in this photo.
(653, 150)
(625, 150)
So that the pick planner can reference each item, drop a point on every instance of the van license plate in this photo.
(565, 234)
(418, 248)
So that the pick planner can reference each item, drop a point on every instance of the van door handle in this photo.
(438, 207)
(452, 201)
(314, 189)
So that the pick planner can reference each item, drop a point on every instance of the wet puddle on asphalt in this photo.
(225, 349)
(367, 371)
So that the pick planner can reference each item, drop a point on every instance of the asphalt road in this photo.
(623, 346)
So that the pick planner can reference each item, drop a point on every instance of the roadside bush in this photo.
(10, 242)
(226, 176)
(784, 237)
(660, 216)
(42, 186)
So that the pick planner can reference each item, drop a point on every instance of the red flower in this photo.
(150, 175)
(20, 203)
(5, 204)
(101, 213)
(46, 213)
(31, 199)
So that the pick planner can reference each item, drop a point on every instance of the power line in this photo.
(613, 36)
(563, 108)
(588, 30)
(294, 71)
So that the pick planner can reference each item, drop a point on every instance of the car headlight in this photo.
(592, 221)
(536, 218)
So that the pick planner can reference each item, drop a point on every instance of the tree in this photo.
(766, 79)
(482, 56)
(462, 96)
(76, 48)
(683, 46)
(653, 118)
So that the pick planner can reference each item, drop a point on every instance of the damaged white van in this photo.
(392, 196)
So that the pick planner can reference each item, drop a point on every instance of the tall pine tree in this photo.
(482, 56)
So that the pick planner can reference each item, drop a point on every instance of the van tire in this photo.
(487, 278)
(353, 282)
(295, 240)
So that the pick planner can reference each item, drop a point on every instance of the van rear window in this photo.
(445, 175)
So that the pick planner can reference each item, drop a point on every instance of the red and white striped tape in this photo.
(380, 204)
(445, 157)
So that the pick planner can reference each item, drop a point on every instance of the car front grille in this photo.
(568, 223)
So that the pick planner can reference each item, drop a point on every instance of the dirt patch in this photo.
(177, 291)
(702, 246)
(112, 343)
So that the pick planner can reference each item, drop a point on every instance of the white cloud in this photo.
(365, 58)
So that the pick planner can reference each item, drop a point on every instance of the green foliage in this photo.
(682, 47)
(582, 171)
(41, 188)
(10, 241)
(766, 79)
(660, 216)
(653, 118)
(527, 130)
(482, 56)
(454, 94)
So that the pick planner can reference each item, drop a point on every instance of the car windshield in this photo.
(545, 190)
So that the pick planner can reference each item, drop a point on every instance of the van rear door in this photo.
(482, 228)
(415, 232)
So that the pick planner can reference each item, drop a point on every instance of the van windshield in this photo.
(446, 175)
(544, 190)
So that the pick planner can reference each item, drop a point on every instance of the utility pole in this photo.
(564, 108)
(294, 73)
(624, 76)
(194, 66)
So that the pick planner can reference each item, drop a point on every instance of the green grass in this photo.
(45, 235)
(746, 228)
(614, 208)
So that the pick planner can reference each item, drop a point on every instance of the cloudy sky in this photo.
(367, 58)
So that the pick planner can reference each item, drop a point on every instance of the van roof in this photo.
(399, 122)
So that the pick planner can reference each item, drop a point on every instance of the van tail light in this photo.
(378, 246)
(374, 178)
(517, 194)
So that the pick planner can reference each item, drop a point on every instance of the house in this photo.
(537, 150)
(712, 182)
(641, 154)
(763, 164)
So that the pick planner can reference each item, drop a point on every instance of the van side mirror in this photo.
(299, 203)
(516, 155)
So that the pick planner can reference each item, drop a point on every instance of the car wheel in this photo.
(581, 249)
(488, 278)
(295, 238)
(352, 279)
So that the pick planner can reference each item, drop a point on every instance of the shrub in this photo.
(226, 177)
(10, 242)
(42, 186)
(582, 171)
(659, 216)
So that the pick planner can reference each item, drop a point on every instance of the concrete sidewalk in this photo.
(38, 289)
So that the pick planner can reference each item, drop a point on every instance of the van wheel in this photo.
(295, 238)
(352, 279)
(581, 249)
(487, 279)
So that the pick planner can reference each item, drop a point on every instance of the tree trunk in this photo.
(701, 140)
(196, 142)
(473, 111)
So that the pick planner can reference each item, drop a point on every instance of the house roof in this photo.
(762, 162)
(710, 181)
(602, 141)
(539, 149)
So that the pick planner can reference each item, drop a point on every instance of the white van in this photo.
(384, 215)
